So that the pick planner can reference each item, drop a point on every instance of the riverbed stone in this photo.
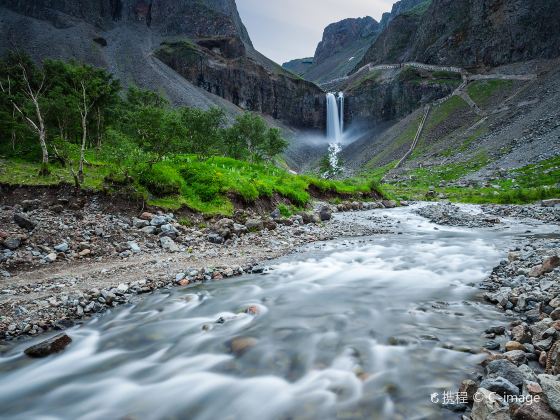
(325, 214)
(506, 370)
(168, 244)
(517, 357)
(62, 247)
(50, 346)
(489, 406)
(241, 345)
(158, 221)
(12, 243)
(500, 386)
(254, 225)
(521, 334)
(535, 410)
(24, 222)
(514, 345)
(550, 263)
(551, 388)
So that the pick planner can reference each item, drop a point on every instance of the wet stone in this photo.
(52, 345)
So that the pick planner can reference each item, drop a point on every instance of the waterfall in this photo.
(335, 128)
(335, 116)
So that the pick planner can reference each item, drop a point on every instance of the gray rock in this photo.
(169, 230)
(12, 243)
(134, 247)
(159, 221)
(24, 222)
(517, 357)
(551, 388)
(224, 228)
(528, 373)
(500, 386)
(489, 406)
(506, 370)
(276, 214)
(325, 214)
(168, 244)
(254, 225)
(63, 247)
(215, 238)
(239, 229)
(52, 345)
(150, 230)
(139, 223)
(51, 257)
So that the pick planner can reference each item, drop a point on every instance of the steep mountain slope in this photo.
(344, 44)
(125, 36)
(471, 34)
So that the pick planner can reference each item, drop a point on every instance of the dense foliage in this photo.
(62, 109)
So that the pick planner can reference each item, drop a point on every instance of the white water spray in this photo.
(335, 129)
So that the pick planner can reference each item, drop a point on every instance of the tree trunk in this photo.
(83, 148)
(84, 114)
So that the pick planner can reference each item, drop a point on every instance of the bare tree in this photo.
(84, 111)
(37, 125)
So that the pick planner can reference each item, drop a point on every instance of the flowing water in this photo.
(335, 129)
(351, 328)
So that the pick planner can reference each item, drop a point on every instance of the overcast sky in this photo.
(287, 29)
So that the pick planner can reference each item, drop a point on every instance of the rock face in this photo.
(192, 18)
(344, 44)
(471, 33)
(223, 66)
(381, 99)
(122, 36)
(399, 8)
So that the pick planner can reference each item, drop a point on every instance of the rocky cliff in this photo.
(399, 8)
(345, 43)
(128, 36)
(471, 33)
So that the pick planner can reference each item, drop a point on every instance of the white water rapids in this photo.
(351, 328)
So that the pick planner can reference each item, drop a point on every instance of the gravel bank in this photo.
(60, 265)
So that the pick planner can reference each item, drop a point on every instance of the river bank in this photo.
(368, 299)
(63, 262)
(519, 377)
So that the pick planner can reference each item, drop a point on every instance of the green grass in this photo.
(442, 112)
(420, 9)
(524, 185)
(208, 186)
(481, 91)
(19, 172)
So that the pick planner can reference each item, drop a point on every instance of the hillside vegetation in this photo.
(65, 122)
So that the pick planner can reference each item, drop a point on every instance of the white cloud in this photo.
(288, 29)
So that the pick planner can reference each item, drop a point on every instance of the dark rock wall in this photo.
(169, 17)
(471, 34)
(247, 84)
(374, 103)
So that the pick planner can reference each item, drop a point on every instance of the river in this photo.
(351, 328)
